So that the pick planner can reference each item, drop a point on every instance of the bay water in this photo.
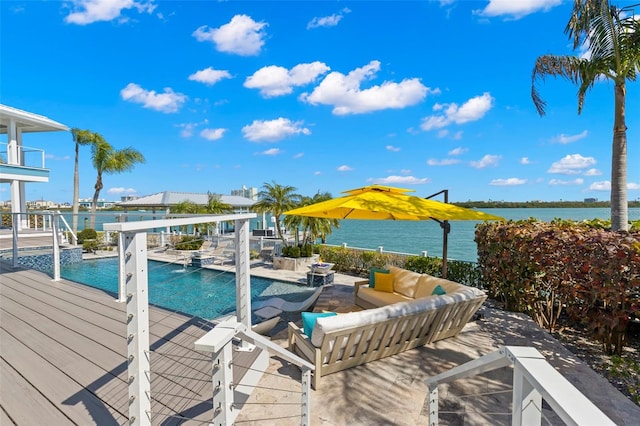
(411, 237)
(414, 237)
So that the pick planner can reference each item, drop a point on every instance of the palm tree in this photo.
(276, 199)
(80, 137)
(216, 206)
(313, 227)
(108, 160)
(613, 38)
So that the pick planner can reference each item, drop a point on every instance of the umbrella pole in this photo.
(445, 231)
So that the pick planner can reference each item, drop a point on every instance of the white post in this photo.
(243, 273)
(138, 366)
(424, 253)
(223, 386)
(15, 220)
(527, 401)
(433, 405)
(56, 250)
(306, 398)
(122, 290)
(379, 249)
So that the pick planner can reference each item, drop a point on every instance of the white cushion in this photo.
(427, 283)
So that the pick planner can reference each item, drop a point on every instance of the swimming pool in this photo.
(194, 291)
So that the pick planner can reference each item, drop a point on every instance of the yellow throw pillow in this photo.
(384, 282)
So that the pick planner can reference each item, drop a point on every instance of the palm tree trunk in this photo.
(619, 206)
(94, 204)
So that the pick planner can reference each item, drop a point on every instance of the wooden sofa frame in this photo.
(342, 349)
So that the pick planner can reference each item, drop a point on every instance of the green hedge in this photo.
(544, 268)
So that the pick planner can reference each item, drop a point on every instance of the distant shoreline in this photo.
(539, 204)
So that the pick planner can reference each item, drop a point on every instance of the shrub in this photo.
(90, 246)
(189, 242)
(540, 268)
(87, 234)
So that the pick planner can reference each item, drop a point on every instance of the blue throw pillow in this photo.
(438, 291)
(309, 320)
(372, 276)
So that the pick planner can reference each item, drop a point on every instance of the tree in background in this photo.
(276, 199)
(313, 227)
(108, 160)
(80, 137)
(612, 36)
(215, 205)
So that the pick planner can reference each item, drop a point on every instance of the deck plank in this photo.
(67, 343)
(23, 402)
(76, 402)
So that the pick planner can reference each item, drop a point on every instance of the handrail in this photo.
(533, 379)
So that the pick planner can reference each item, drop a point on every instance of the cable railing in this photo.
(237, 357)
(534, 381)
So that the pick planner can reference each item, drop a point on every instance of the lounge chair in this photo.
(264, 328)
(286, 306)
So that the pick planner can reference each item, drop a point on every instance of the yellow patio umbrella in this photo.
(378, 202)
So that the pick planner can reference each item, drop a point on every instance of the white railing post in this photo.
(243, 273)
(56, 250)
(122, 289)
(15, 220)
(306, 398)
(432, 406)
(138, 365)
(526, 407)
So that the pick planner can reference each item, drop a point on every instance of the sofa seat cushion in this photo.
(380, 298)
(404, 282)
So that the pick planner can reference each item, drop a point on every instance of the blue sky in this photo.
(321, 95)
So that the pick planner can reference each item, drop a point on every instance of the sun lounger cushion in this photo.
(309, 320)
(372, 278)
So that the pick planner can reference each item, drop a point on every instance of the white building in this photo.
(250, 193)
(21, 164)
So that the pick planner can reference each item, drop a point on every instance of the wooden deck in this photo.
(63, 356)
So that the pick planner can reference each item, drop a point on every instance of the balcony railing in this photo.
(28, 157)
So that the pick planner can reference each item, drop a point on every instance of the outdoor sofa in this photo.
(395, 323)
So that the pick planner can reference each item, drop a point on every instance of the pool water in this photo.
(194, 291)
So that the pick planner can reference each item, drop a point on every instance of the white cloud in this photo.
(88, 11)
(169, 101)
(508, 182)
(606, 186)
(565, 139)
(486, 161)
(458, 151)
(571, 164)
(525, 160)
(298, 155)
(209, 76)
(516, 9)
(121, 191)
(392, 148)
(555, 182)
(328, 21)
(55, 158)
(277, 81)
(347, 97)
(472, 110)
(317, 173)
(400, 180)
(405, 171)
(272, 152)
(344, 168)
(187, 129)
(213, 134)
(273, 130)
(242, 36)
(593, 172)
(444, 162)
